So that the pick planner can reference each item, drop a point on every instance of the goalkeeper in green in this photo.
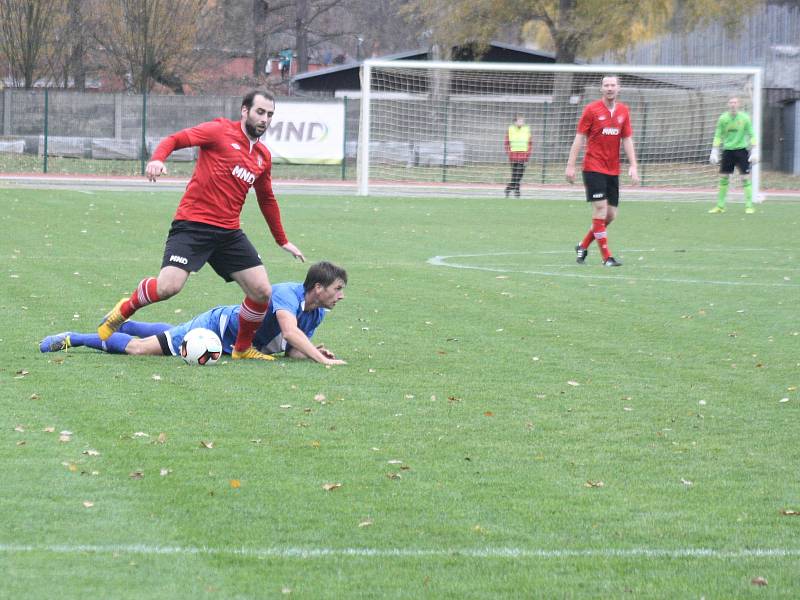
(735, 134)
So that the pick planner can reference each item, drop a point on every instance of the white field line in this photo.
(480, 553)
(443, 261)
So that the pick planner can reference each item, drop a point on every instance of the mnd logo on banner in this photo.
(307, 133)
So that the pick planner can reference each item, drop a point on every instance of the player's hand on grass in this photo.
(154, 169)
(334, 361)
(294, 251)
(714, 158)
(633, 173)
(325, 352)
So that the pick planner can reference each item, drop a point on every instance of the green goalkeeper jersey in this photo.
(733, 132)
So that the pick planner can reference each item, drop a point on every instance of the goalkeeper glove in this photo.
(753, 156)
(714, 158)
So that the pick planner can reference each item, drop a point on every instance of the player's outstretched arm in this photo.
(301, 346)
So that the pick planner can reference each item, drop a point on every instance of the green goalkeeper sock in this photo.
(748, 193)
(723, 192)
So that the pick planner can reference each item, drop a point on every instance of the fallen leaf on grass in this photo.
(140, 434)
(319, 398)
(162, 438)
(88, 504)
(488, 413)
(63, 438)
(685, 481)
(593, 484)
(21, 373)
(328, 487)
(285, 406)
(209, 445)
(136, 475)
(236, 484)
(21, 443)
(365, 523)
(91, 453)
(760, 581)
(19, 428)
(573, 383)
(156, 378)
(787, 512)
(49, 429)
(34, 396)
(392, 475)
(165, 472)
(395, 462)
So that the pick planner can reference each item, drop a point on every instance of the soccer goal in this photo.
(439, 127)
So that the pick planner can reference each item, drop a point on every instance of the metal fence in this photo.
(68, 132)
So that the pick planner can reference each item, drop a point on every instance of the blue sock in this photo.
(142, 330)
(116, 344)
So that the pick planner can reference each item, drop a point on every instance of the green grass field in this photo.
(510, 424)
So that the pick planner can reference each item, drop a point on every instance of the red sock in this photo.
(251, 315)
(146, 293)
(599, 231)
(587, 241)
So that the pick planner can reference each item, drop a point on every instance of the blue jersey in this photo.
(224, 321)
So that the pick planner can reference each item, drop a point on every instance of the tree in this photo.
(27, 32)
(151, 41)
(571, 28)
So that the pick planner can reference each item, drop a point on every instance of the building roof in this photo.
(347, 76)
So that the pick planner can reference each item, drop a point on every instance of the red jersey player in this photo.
(206, 227)
(604, 124)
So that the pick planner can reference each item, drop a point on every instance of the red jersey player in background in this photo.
(604, 124)
(206, 228)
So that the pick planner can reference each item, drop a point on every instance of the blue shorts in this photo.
(216, 319)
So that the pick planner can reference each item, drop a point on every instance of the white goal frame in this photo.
(367, 95)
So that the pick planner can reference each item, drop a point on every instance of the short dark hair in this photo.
(324, 273)
(247, 101)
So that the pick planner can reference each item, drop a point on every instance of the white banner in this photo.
(306, 133)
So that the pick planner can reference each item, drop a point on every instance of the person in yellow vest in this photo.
(518, 145)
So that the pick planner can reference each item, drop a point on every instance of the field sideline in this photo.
(510, 424)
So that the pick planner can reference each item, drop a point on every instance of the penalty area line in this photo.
(480, 553)
(443, 261)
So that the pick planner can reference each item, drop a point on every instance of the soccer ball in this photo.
(201, 347)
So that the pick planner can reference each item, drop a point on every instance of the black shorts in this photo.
(735, 158)
(190, 245)
(600, 186)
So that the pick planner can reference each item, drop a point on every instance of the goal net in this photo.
(440, 127)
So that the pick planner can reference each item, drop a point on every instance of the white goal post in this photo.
(436, 127)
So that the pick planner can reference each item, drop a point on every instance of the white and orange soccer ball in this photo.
(201, 347)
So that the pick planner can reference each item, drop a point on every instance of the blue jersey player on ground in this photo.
(295, 311)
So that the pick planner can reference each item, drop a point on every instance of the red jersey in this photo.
(228, 165)
(603, 132)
